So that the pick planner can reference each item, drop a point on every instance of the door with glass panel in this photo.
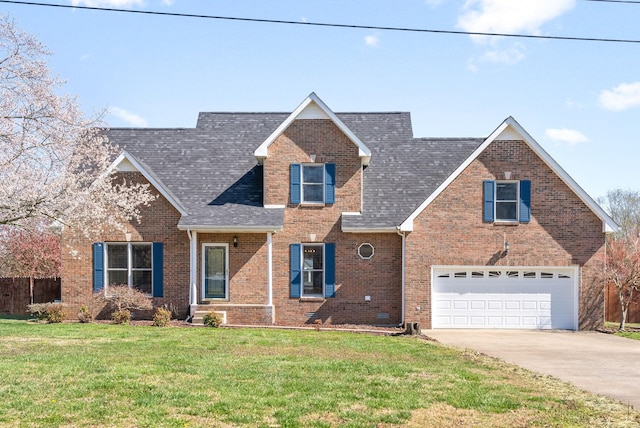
(215, 271)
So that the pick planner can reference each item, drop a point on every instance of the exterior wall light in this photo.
(235, 240)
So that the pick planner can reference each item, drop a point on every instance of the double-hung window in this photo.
(135, 264)
(507, 201)
(312, 183)
(312, 270)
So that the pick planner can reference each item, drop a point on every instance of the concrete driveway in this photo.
(599, 363)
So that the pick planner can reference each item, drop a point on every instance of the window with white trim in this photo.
(506, 203)
(312, 183)
(129, 264)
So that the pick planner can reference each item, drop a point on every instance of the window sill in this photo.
(506, 223)
(312, 299)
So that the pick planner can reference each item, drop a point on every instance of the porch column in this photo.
(193, 270)
(270, 276)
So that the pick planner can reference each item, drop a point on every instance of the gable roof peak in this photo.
(313, 108)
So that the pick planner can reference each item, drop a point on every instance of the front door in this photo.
(215, 271)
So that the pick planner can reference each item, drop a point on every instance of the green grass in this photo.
(106, 375)
(632, 330)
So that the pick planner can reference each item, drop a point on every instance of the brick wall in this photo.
(159, 224)
(379, 278)
(562, 231)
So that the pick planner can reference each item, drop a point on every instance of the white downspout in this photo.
(270, 276)
(403, 235)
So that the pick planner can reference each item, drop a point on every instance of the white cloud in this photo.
(510, 16)
(130, 118)
(506, 56)
(565, 135)
(622, 97)
(107, 3)
(372, 40)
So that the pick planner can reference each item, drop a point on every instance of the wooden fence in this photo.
(14, 293)
(613, 310)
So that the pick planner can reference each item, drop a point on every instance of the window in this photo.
(312, 270)
(129, 264)
(138, 265)
(507, 201)
(312, 183)
(365, 251)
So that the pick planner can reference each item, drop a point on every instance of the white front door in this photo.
(504, 297)
(215, 271)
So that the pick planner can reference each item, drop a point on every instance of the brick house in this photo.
(287, 218)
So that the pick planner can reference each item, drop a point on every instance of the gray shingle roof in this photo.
(212, 173)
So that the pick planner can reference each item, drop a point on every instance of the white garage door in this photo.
(522, 298)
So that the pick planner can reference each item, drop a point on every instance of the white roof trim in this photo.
(130, 161)
(507, 130)
(231, 229)
(314, 106)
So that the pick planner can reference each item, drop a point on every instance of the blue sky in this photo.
(579, 100)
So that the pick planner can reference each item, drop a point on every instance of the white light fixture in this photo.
(312, 237)
(507, 175)
(313, 158)
(127, 236)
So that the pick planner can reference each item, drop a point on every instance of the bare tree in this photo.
(623, 250)
(54, 163)
(623, 271)
(624, 208)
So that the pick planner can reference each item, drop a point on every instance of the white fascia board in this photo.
(130, 160)
(231, 229)
(511, 125)
(363, 151)
(369, 229)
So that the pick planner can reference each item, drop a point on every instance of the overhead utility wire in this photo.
(615, 1)
(324, 24)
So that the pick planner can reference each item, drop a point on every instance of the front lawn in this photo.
(106, 375)
(632, 330)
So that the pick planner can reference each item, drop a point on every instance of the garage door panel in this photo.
(533, 298)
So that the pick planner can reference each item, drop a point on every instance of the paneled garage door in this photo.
(522, 298)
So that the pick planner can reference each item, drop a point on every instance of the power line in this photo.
(333, 25)
(615, 1)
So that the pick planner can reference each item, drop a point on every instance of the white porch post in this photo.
(193, 272)
(270, 276)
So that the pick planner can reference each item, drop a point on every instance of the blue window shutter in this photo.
(98, 266)
(329, 270)
(329, 183)
(525, 201)
(158, 279)
(488, 197)
(295, 281)
(294, 183)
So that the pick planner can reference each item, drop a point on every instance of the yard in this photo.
(106, 375)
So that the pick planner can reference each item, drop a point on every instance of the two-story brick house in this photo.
(277, 218)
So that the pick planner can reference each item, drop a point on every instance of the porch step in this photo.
(198, 317)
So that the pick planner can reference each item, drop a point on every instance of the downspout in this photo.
(403, 235)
